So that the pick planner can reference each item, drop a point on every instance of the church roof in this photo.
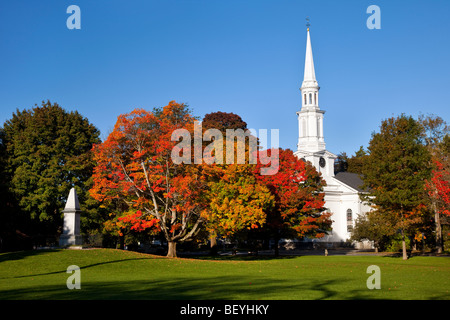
(351, 179)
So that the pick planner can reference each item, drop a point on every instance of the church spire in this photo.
(310, 75)
(310, 117)
(309, 78)
(310, 87)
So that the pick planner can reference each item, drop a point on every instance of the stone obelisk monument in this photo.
(71, 229)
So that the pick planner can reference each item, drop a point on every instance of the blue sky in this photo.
(240, 56)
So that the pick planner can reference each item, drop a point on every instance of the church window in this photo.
(349, 215)
(305, 97)
(349, 220)
(315, 98)
(310, 98)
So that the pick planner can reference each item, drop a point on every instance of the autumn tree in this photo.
(285, 202)
(135, 165)
(438, 187)
(236, 201)
(47, 152)
(436, 136)
(221, 121)
(297, 189)
(395, 171)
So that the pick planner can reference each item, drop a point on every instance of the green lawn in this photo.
(114, 274)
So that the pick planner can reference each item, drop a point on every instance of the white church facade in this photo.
(342, 189)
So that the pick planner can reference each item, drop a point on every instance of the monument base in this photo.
(70, 240)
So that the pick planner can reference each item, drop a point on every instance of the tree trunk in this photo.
(423, 243)
(121, 244)
(172, 250)
(277, 252)
(213, 246)
(437, 219)
(414, 245)
(405, 254)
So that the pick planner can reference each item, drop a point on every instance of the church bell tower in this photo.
(311, 143)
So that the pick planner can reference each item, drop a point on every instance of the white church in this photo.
(343, 189)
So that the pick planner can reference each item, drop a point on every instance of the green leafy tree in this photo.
(10, 216)
(395, 171)
(377, 226)
(47, 151)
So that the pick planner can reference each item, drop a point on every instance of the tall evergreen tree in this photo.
(341, 163)
(355, 163)
(395, 171)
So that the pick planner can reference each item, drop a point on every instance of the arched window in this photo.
(310, 98)
(305, 98)
(315, 98)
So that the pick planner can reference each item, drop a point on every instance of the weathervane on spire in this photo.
(307, 23)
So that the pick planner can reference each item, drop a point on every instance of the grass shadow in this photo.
(210, 288)
(238, 257)
(18, 255)
(82, 267)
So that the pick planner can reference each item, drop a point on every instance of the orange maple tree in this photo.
(134, 166)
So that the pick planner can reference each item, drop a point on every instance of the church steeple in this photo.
(309, 78)
(310, 87)
(310, 117)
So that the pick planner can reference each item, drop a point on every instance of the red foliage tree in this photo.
(299, 199)
(438, 188)
(134, 165)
